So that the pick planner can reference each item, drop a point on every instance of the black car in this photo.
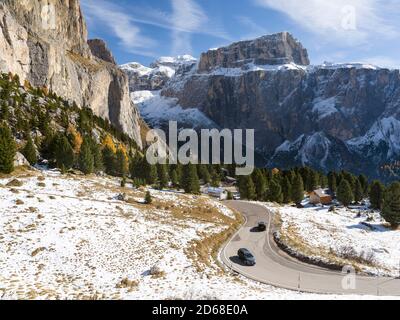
(246, 257)
(262, 226)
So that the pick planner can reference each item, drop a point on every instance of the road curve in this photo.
(275, 267)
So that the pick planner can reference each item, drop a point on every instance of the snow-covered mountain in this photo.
(332, 116)
(158, 74)
(146, 84)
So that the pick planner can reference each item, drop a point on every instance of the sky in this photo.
(334, 31)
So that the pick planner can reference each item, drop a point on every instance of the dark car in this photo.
(246, 257)
(262, 226)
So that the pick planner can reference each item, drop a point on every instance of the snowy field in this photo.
(356, 236)
(72, 237)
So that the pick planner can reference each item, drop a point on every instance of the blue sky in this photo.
(336, 31)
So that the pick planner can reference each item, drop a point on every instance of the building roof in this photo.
(321, 193)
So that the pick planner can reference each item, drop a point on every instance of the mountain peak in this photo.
(276, 49)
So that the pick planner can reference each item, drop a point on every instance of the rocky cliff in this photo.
(45, 42)
(331, 117)
(276, 49)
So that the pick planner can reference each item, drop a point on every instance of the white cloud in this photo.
(353, 21)
(121, 25)
(187, 17)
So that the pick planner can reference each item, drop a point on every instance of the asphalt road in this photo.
(277, 268)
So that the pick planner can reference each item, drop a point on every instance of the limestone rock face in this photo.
(100, 50)
(276, 49)
(45, 42)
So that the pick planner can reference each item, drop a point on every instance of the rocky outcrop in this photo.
(100, 50)
(143, 78)
(45, 42)
(156, 76)
(275, 49)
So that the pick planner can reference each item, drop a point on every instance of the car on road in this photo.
(236, 196)
(261, 226)
(246, 257)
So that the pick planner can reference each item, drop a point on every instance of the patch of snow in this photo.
(179, 60)
(344, 228)
(157, 109)
(251, 67)
(142, 71)
(325, 108)
(70, 239)
(386, 130)
(356, 65)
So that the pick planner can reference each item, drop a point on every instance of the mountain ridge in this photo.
(239, 88)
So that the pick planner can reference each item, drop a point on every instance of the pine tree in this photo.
(247, 188)
(298, 189)
(190, 180)
(376, 195)
(344, 193)
(7, 150)
(63, 153)
(86, 159)
(109, 160)
(391, 207)
(136, 167)
(148, 199)
(174, 179)
(312, 181)
(4, 112)
(275, 192)
(121, 163)
(98, 164)
(260, 183)
(204, 174)
(358, 191)
(163, 175)
(364, 184)
(29, 152)
(150, 172)
(215, 179)
(332, 182)
(286, 190)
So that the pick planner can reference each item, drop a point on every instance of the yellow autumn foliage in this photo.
(77, 139)
(108, 142)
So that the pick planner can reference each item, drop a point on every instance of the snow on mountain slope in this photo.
(69, 237)
(355, 236)
(317, 150)
(175, 62)
(325, 107)
(141, 77)
(251, 67)
(158, 110)
(384, 135)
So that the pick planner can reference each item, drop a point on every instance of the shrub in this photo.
(148, 199)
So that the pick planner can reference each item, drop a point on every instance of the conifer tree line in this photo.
(59, 131)
(291, 186)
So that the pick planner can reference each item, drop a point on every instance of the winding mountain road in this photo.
(275, 267)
